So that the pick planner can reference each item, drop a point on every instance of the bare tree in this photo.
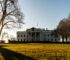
(63, 28)
(10, 15)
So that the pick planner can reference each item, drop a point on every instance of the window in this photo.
(37, 33)
(51, 34)
(18, 35)
(55, 39)
(24, 35)
(21, 35)
(33, 34)
(56, 35)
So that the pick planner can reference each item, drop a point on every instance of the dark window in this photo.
(55, 39)
(21, 35)
(33, 34)
(24, 35)
(37, 33)
(51, 34)
(18, 35)
(56, 35)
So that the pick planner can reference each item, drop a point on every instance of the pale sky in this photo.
(44, 13)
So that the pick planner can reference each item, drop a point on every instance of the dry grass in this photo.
(42, 51)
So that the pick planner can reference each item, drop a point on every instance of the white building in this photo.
(37, 35)
(22, 36)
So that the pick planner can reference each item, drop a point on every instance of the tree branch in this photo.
(10, 12)
(8, 22)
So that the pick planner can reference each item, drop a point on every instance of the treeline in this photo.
(63, 29)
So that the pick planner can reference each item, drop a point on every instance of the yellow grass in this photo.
(42, 51)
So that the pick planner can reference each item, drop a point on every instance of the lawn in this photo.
(40, 51)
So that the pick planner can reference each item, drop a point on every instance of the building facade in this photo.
(37, 35)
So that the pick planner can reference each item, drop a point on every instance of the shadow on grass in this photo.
(11, 55)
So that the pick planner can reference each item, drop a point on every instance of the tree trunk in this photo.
(62, 38)
(3, 16)
(66, 38)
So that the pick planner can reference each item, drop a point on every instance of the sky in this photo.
(43, 13)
